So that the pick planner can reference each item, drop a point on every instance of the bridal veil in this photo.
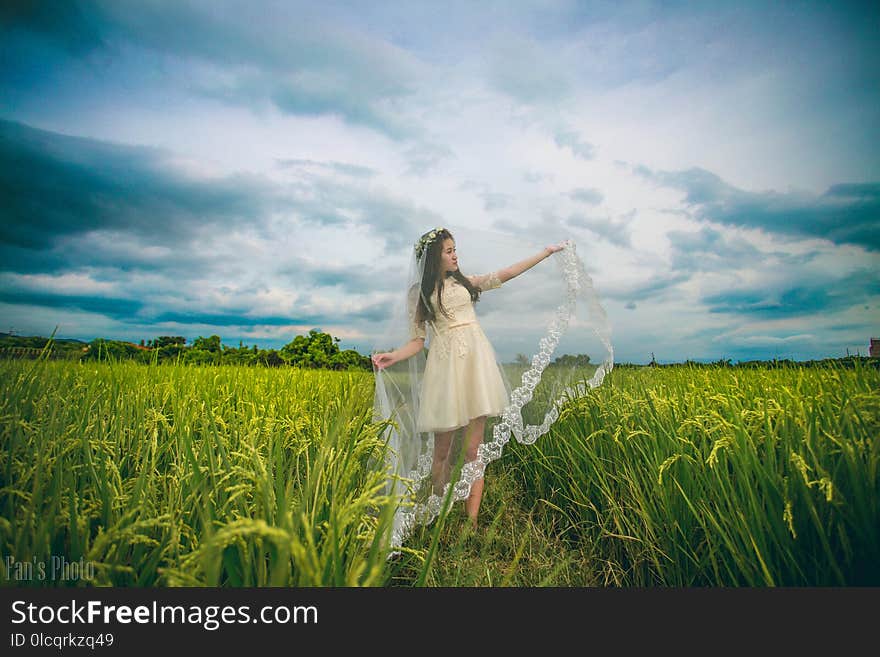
(552, 343)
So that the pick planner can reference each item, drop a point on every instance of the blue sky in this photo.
(257, 169)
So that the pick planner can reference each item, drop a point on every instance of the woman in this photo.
(462, 383)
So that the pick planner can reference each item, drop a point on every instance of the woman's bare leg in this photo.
(473, 440)
(440, 464)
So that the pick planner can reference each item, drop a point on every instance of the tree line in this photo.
(317, 350)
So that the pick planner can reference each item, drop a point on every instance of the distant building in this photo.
(874, 349)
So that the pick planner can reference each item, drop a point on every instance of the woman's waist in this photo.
(443, 328)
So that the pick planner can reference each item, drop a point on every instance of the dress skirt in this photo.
(462, 380)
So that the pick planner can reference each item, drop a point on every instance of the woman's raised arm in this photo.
(524, 265)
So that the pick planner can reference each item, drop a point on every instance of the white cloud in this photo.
(364, 131)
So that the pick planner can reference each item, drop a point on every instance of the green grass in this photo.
(170, 475)
(174, 475)
(718, 476)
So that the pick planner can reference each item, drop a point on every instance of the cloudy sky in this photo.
(258, 169)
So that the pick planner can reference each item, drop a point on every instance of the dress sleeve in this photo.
(486, 281)
(416, 329)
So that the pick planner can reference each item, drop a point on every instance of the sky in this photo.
(258, 169)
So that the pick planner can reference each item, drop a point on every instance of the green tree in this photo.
(169, 340)
(294, 352)
(321, 350)
(350, 360)
(270, 358)
(570, 360)
(101, 349)
(211, 344)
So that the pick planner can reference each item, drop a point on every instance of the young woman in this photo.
(461, 384)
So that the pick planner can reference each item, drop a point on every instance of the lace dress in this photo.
(462, 379)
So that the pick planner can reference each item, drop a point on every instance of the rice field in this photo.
(172, 475)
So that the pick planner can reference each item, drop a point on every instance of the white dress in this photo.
(462, 377)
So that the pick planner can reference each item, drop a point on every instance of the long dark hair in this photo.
(432, 274)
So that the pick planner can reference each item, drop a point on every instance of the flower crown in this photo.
(425, 240)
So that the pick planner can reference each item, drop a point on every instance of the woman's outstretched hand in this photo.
(556, 247)
(381, 361)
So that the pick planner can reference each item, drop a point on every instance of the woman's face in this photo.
(448, 256)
